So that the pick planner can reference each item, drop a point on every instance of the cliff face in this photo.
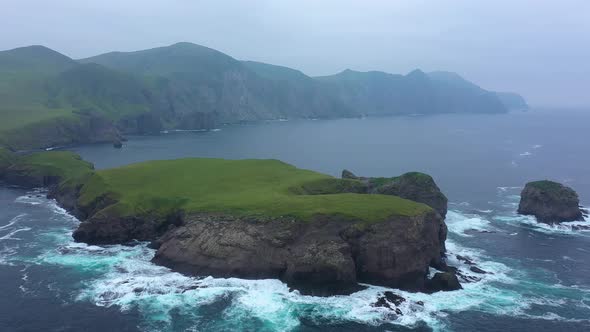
(62, 131)
(550, 202)
(318, 257)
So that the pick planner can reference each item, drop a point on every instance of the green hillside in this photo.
(276, 73)
(94, 88)
(251, 187)
(48, 99)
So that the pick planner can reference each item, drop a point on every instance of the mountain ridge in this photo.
(189, 86)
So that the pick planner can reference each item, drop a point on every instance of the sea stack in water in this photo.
(550, 202)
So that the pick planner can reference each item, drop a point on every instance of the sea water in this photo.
(537, 275)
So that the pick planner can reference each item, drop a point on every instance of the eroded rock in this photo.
(550, 202)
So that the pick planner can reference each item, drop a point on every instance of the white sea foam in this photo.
(30, 199)
(569, 228)
(131, 281)
(10, 235)
(13, 221)
(508, 188)
(460, 224)
(124, 277)
(525, 154)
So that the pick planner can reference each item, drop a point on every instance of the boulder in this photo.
(443, 281)
(550, 202)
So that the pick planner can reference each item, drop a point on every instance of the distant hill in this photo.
(48, 99)
(33, 59)
(513, 101)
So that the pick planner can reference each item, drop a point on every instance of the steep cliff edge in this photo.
(323, 256)
(246, 218)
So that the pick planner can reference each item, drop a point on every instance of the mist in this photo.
(538, 48)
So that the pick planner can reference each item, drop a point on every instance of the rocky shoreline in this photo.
(326, 255)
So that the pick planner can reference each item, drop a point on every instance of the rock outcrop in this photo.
(321, 257)
(415, 186)
(550, 202)
(443, 281)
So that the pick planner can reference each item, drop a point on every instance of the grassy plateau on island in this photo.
(252, 187)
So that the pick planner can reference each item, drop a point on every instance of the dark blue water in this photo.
(539, 274)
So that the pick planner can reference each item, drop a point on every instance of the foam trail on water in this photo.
(13, 221)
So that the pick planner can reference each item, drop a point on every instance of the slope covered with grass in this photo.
(267, 188)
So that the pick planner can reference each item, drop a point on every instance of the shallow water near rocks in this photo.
(537, 274)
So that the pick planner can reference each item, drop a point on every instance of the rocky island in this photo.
(251, 219)
(550, 202)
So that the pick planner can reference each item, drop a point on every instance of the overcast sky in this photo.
(539, 48)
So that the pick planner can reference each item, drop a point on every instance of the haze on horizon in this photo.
(538, 48)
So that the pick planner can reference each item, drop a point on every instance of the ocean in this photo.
(537, 276)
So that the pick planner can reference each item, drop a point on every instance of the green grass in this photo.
(414, 177)
(268, 188)
(17, 119)
(64, 164)
(546, 185)
(6, 158)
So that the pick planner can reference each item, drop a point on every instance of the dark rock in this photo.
(381, 303)
(477, 270)
(418, 187)
(390, 300)
(103, 228)
(465, 259)
(346, 174)
(443, 281)
(467, 278)
(394, 298)
(550, 202)
(415, 186)
(117, 144)
(322, 257)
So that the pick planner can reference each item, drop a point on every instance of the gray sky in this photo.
(539, 48)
